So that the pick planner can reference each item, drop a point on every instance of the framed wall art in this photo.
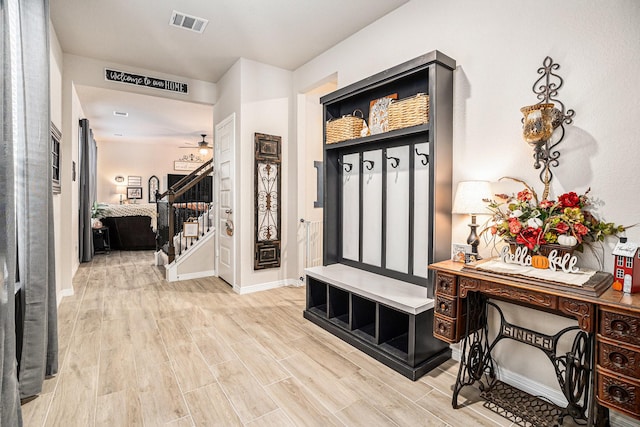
(268, 158)
(134, 193)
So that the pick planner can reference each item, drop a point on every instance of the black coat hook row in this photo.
(395, 162)
(347, 166)
(424, 161)
(368, 164)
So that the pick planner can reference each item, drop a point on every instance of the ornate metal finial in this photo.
(546, 89)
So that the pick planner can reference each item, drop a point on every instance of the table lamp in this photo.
(470, 196)
(121, 190)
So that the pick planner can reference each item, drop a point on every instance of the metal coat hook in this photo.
(424, 161)
(395, 162)
(368, 164)
(348, 167)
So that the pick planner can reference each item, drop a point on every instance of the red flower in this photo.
(514, 225)
(580, 229)
(531, 237)
(562, 228)
(569, 200)
(525, 195)
(545, 204)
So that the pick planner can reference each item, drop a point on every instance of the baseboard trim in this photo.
(264, 286)
(172, 277)
(521, 382)
(63, 293)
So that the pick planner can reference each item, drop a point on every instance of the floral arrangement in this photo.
(567, 221)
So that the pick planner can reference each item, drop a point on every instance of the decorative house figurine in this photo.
(627, 265)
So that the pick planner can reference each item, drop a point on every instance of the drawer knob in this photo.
(444, 306)
(618, 394)
(444, 284)
(441, 328)
(620, 326)
(618, 359)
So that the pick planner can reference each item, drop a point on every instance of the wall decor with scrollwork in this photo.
(267, 201)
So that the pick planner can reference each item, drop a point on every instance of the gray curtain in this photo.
(88, 164)
(9, 396)
(27, 206)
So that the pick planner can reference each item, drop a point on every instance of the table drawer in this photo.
(619, 359)
(446, 306)
(446, 284)
(445, 329)
(620, 327)
(618, 392)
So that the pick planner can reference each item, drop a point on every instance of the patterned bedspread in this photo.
(141, 209)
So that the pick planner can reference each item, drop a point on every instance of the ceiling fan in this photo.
(202, 146)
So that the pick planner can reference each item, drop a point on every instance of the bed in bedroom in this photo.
(132, 227)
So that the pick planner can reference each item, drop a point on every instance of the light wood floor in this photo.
(138, 351)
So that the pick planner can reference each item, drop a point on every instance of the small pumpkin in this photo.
(617, 286)
(540, 261)
(567, 240)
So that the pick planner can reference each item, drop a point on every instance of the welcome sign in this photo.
(138, 80)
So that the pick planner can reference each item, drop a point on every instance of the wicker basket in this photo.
(345, 128)
(409, 112)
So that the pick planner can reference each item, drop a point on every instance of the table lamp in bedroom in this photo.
(121, 190)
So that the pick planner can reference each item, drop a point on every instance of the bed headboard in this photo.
(201, 192)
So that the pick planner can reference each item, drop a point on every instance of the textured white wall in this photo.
(498, 47)
(266, 108)
(144, 160)
(55, 102)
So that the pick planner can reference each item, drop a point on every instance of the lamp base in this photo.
(473, 238)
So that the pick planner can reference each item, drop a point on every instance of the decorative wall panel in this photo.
(268, 159)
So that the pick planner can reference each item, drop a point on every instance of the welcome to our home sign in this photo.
(138, 80)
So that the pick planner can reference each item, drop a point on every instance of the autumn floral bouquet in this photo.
(524, 220)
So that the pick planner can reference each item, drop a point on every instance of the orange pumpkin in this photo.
(540, 261)
(617, 286)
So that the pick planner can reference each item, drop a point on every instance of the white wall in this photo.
(144, 160)
(90, 72)
(266, 108)
(229, 93)
(498, 47)
(55, 107)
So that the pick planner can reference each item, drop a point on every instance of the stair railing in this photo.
(173, 213)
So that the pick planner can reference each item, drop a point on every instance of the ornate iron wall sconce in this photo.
(543, 123)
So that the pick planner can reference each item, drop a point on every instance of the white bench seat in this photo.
(402, 296)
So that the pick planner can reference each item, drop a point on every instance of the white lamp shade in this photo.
(121, 189)
(469, 197)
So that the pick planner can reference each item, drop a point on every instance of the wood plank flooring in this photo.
(136, 350)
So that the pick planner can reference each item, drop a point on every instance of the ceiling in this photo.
(282, 33)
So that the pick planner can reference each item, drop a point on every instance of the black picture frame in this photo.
(134, 192)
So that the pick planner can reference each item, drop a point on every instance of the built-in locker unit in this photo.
(387, 212)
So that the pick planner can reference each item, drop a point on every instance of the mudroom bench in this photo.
(388, 319)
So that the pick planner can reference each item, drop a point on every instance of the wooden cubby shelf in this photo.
(386, 318)
(387, 213)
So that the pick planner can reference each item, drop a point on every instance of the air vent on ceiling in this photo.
(120, 114)
(188, 22)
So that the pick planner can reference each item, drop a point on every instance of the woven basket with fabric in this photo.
(344, 128)
(409, 111)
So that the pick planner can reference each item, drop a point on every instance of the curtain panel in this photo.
(26, 206)
(88, 154)
(9, 396)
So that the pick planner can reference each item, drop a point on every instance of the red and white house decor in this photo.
(626, 266)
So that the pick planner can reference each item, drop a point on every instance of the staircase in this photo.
(185, 240)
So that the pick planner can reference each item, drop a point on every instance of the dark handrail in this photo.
(188, 178)
(175, 191)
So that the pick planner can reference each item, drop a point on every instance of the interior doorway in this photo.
(310, 153)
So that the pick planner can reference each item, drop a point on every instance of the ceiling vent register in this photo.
(188, 22)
